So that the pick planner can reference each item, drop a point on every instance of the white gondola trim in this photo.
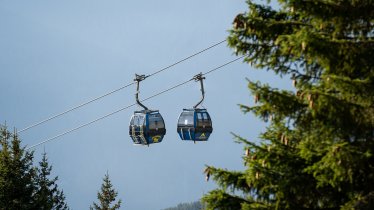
(182, 135)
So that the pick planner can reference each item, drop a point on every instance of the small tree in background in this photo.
(47, 195)
(106, 196)
(197, 205)
(22, 185)
(17, 186)
(318, 149)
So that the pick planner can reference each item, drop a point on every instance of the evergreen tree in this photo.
(47, 195)
(317, 150)
(107, 196)
(16, 173)
(23, 186)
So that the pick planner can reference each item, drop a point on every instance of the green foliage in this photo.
(47, 195)
(23, 186)
(16, 173)
(106, 196)
(317, 150)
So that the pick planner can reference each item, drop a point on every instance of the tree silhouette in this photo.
(47, 195)
(106, 196)
(22, 185)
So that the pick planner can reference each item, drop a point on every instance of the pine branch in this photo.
(228, 179)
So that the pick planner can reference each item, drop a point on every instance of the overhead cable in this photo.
(74, 108)
(189, 57)
(124, 108)
(118, 89)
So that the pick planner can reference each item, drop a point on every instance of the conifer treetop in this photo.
(106, 196)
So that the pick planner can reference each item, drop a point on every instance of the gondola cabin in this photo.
(147, 127)
(194, 125)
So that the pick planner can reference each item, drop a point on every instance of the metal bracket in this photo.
(139, 78)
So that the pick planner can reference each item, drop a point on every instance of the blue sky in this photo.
(57, 54)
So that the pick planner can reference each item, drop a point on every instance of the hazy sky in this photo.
(57, 54)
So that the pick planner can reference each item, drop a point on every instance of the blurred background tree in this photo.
(106, 196)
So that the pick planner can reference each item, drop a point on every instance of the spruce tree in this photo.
(317, 150)
(22, 185)
(48, 196)
(107, 196)
(17, 186)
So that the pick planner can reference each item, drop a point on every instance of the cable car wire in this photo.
(74, 108)
(189, 57)
(118, 89)
(124, 108)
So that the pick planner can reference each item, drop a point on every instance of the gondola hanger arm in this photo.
(138, 79)
(200, 77)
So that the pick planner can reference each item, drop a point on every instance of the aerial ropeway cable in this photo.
(197, 77)
(117, 89)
